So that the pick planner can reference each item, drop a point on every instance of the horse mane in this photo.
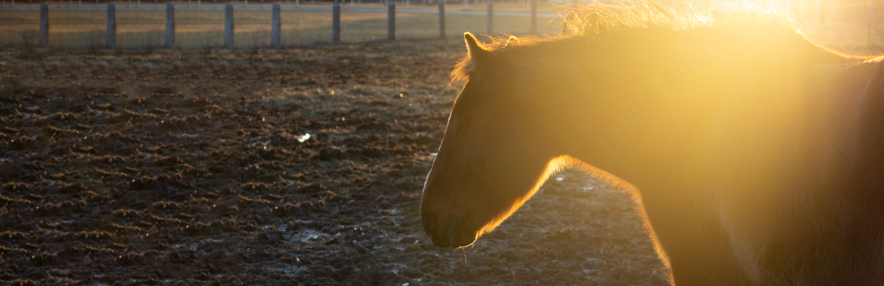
(589, 20)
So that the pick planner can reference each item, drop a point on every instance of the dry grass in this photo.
(203, 29)
(19, 27)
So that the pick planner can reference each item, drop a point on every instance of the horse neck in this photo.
(664, 112)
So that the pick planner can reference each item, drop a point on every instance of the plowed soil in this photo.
(194, 167)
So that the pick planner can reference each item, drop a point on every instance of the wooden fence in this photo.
(812, 17)
(275, 35)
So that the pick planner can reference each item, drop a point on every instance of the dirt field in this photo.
(191, 167)
(138, 169)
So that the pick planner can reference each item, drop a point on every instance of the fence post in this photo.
(275, 27)
(336, 22)
(44, 25)
(197, 3)
(391, 21)
(228, 26)
(170, 26)
(245, 3)
(533, 16)
(442, 18)
(111, 26)
(490, 16)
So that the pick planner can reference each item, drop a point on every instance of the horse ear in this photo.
(473, 46)
(511, 41)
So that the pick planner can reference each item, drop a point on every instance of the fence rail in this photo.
(812, 15)
(274, 9)
(269, 8)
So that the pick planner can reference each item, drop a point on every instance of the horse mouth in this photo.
(452, 234)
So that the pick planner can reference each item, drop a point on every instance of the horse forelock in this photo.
(507, 46)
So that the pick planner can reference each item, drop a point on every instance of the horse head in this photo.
(490, 160)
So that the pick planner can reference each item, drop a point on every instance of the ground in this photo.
(194, 167)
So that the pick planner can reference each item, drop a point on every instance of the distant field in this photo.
(201, 29)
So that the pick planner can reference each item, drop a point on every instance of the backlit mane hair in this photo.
(589, 20)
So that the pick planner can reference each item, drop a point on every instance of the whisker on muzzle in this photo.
(453, 232)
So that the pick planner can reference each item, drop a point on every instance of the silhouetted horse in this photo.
(755, 157)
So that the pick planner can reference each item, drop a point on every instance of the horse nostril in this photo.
(428, 221)
(453, 232)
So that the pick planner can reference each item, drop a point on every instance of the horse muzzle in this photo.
(448, 232)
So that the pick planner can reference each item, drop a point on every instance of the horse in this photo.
(754, 156)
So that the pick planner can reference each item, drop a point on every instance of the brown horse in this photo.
(755, 157)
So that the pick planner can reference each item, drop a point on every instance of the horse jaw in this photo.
(553, 166)
(439, 221)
